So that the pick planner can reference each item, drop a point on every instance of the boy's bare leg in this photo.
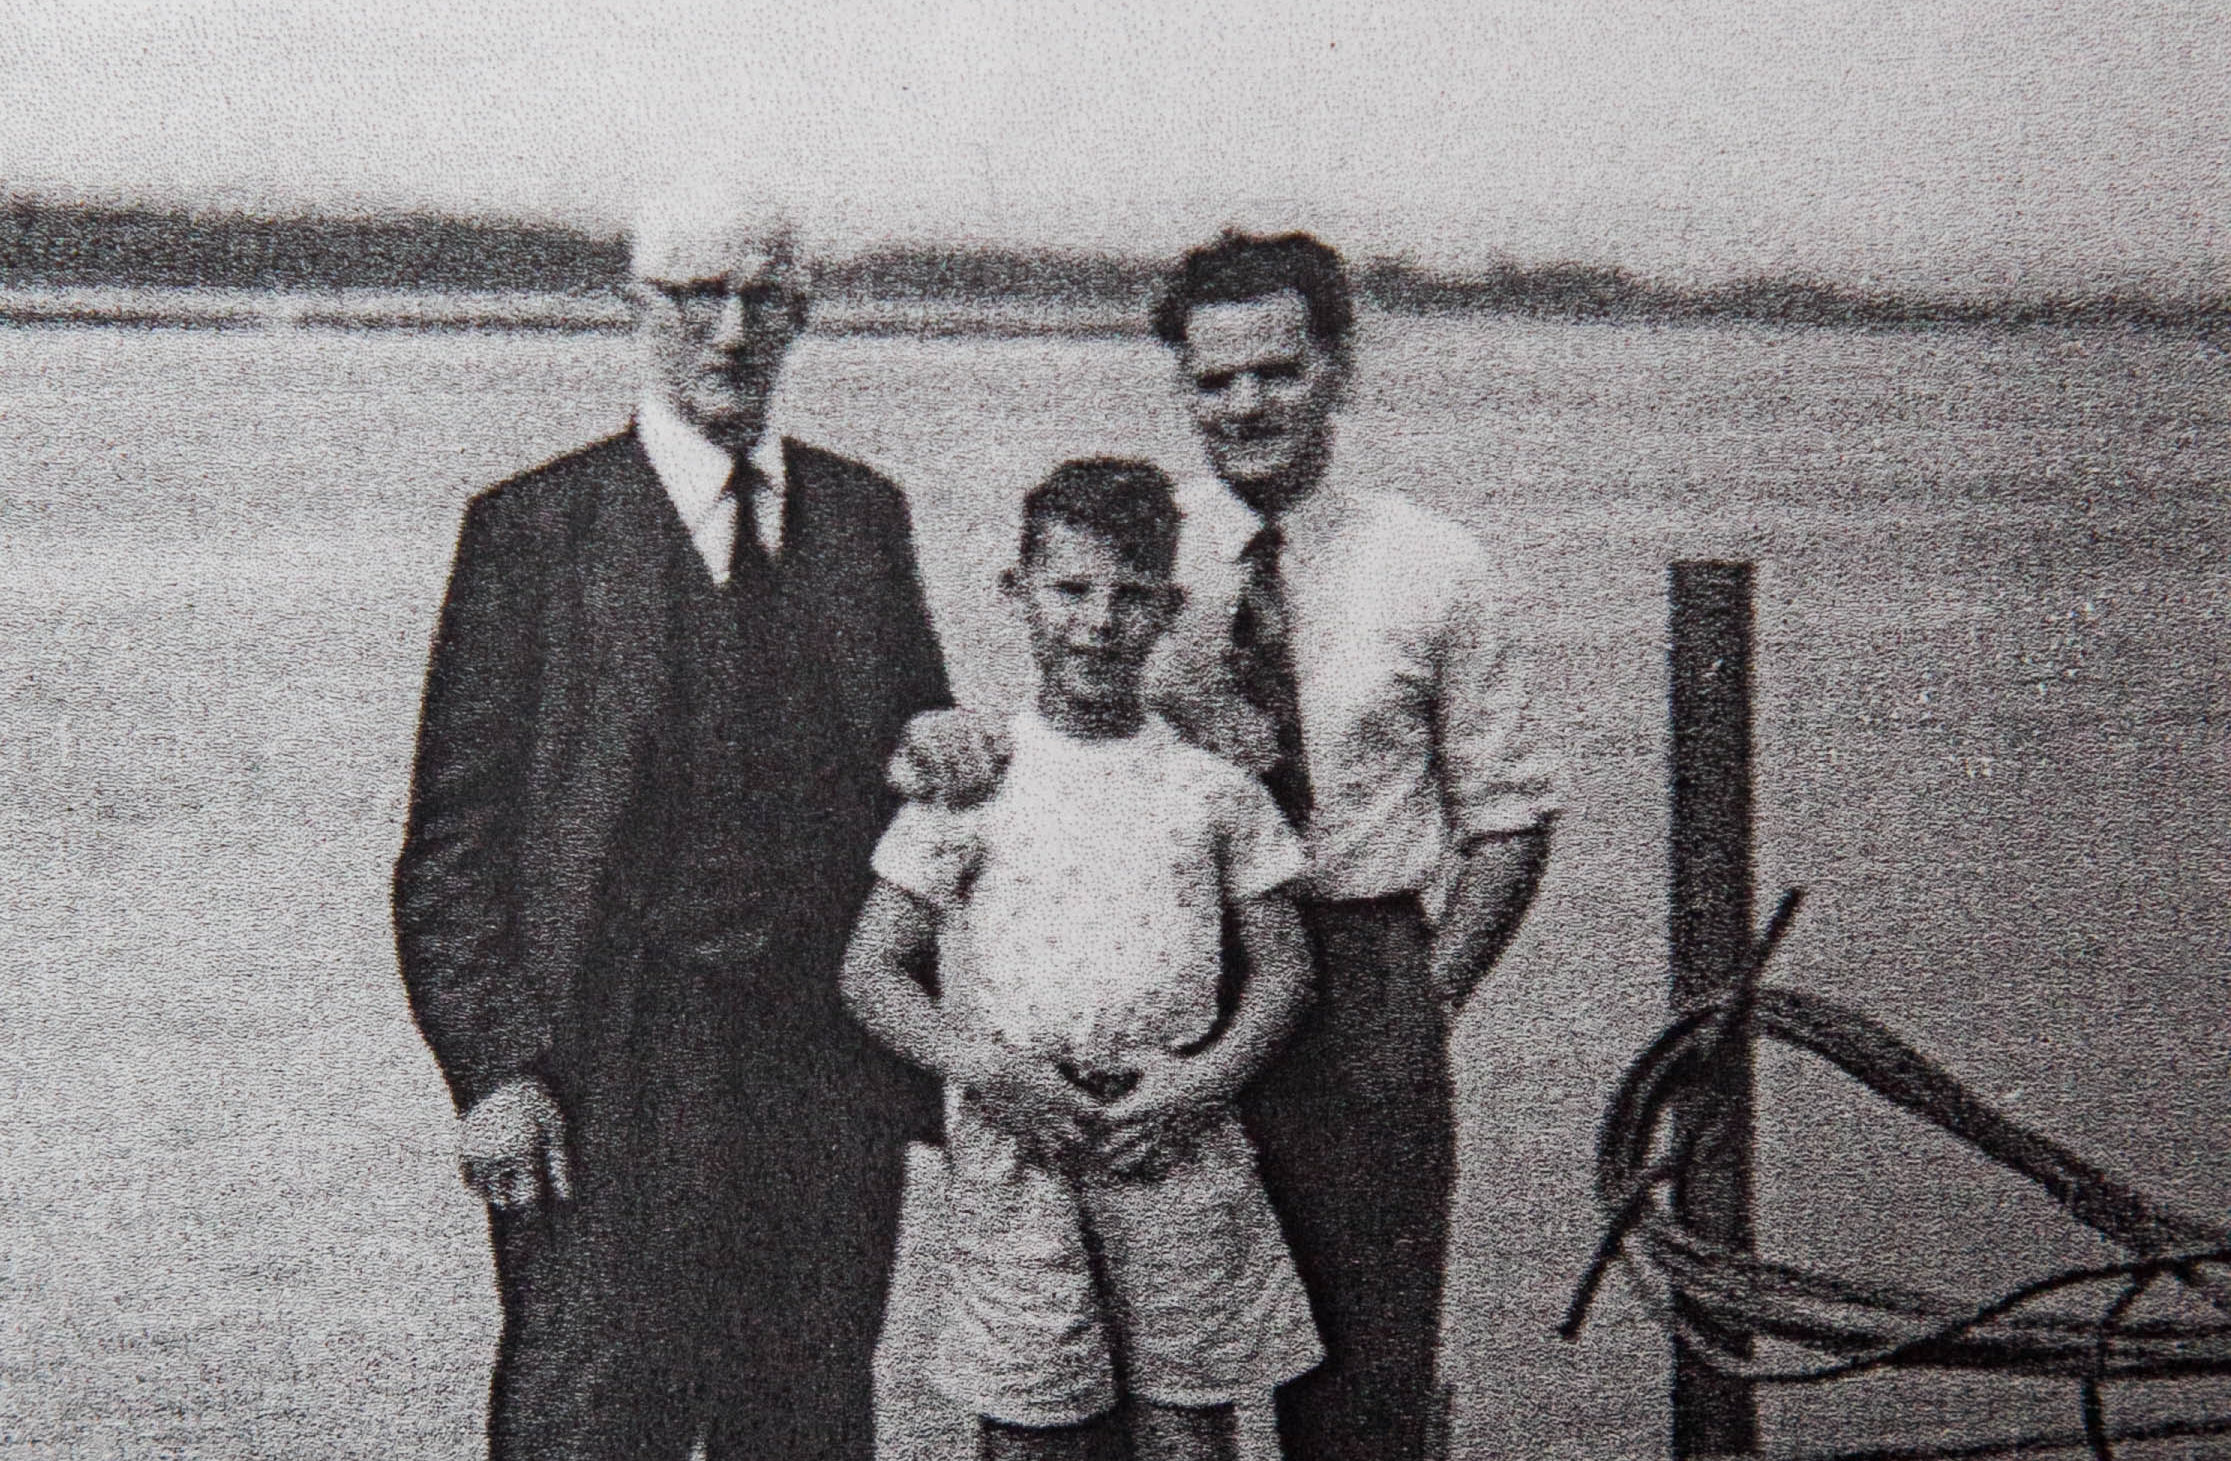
(1095, 1440)
(1183, 1433)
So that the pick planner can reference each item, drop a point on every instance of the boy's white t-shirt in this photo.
(1084, 900)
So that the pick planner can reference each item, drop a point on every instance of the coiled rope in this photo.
(2080, 1323)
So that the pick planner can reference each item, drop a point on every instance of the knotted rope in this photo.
(2077, 1323)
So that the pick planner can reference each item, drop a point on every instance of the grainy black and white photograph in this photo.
(1048, 732)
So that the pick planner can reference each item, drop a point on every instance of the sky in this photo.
(1969, 145)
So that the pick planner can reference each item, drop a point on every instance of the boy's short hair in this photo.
(1239, 267)
(1127, 504)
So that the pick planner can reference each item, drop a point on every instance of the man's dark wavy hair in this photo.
(1244, 266)
(1127, 504)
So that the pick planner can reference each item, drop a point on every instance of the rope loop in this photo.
(1705, 1291)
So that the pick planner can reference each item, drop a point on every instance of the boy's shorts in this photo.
(1201, 1301)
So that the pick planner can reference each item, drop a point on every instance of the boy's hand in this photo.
(1026, 1097)
(951, 758)
(1144, 1133)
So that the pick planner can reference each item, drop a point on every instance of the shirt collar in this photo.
(1031, 727)
(693, 470)
(1218, 526)
(1230, 524)
(1315, 520)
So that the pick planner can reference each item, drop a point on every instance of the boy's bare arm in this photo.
(897, 934)
(1271, 999)
(1176, 1094)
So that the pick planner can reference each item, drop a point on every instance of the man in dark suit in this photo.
(666, 677)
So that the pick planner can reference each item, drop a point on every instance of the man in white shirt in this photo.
(1356, 641)
(667, 673)
(1350, 646)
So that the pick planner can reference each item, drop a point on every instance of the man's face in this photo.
(1093, 617)
(715, 328)
(1263, 394)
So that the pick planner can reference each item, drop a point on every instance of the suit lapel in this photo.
(797, 509)
(610, 679)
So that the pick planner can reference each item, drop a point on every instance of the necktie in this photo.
(749, 568)
(1263, 667)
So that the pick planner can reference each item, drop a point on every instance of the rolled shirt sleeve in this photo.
(1414, 697)
(1494, 779)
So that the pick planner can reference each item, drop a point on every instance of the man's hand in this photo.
(1147, 1131)
(511, 1148)
(954, 758)
(1029, 1099)
(1493, 891)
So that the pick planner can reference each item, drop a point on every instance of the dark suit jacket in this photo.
(549, 676)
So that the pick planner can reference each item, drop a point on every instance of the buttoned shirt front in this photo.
(1411, 679)
(695, 474)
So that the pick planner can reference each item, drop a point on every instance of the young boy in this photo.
(1109, 1227)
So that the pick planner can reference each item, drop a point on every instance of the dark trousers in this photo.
(1357, 1134)
(720, 1273)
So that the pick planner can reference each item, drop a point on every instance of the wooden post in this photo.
(1709, 661)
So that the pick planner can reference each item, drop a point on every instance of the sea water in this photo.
(1991, 744)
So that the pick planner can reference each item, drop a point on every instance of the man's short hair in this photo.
(1243, 266)
(1127, 504)
(710, 233)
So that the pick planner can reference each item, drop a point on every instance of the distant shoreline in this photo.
(66, 265)
(436, 311)
(992, 316)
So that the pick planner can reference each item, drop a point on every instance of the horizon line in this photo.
(78, 245)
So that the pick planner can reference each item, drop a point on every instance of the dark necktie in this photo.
(750, 570)
(1263, 667)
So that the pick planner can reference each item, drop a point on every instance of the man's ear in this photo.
(1010, 582)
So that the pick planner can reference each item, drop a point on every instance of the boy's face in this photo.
(1093, 617)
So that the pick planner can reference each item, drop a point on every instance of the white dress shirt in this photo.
(695, 474)
(1410, 677)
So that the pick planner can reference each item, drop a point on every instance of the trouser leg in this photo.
(632, 1346)
(792, 1374)
(1358, 1145)
(574, 1381)
(1181, 1432)
(1100, 1439)
(722, 1269)
(791, 1366)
